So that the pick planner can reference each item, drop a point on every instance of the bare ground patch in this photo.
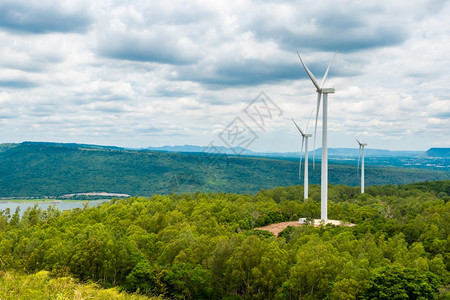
(279, 227)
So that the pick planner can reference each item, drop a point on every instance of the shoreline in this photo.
(47, 201)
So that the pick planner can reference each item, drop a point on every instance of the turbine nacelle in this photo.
(301, 131)
(361, 144)
(326, 91)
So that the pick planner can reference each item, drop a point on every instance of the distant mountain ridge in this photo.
(344, 152)
(370, 152)
(199, 149)
(318, 152)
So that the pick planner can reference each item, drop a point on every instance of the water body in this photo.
(44, 205)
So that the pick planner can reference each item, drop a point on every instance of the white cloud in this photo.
(147, 73)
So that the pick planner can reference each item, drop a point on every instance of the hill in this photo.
(438, 152)
(34, 169)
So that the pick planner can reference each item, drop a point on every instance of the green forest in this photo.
(204, 246)
(49, 169)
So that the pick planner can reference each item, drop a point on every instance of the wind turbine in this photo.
(324, 176)
(361, 154)
(305, 137)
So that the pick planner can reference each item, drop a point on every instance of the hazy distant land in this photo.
(33, 169)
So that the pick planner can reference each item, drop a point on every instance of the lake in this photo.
(63, 205)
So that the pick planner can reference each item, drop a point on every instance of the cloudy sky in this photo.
(152, 73)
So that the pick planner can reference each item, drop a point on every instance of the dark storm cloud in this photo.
(349, 41)
(84, 98)
(248, 72)
(167, 91)
(443, 115)
(5, 115)
(150, 130)
(29, 17)
(332, 29)
(107, 107)
(18, 84)
(156, 46)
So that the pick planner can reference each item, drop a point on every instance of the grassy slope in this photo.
(14, 285)
(42, 169)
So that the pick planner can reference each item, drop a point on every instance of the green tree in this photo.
(189, 282)
(396, 282)
(318, 263)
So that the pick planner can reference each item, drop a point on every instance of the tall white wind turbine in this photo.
(361, 154)
(305, 137)
(324, 176)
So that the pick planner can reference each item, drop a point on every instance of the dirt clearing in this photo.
(279, 227)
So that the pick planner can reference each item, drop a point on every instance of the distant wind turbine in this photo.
(305, 137)
(361, 154)
(324, 176)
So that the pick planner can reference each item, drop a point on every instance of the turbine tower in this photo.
(324, 176)
(305, 137)
(361, 154)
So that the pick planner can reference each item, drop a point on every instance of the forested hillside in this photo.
(203, 246)
(46, 169)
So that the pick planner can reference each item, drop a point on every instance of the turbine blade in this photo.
(310, 74)
(306, 130)
(319, 95)
(326, 73)
(298, 127)
(358, 142)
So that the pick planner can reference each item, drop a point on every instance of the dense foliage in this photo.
(197, 246)
(46, 169)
